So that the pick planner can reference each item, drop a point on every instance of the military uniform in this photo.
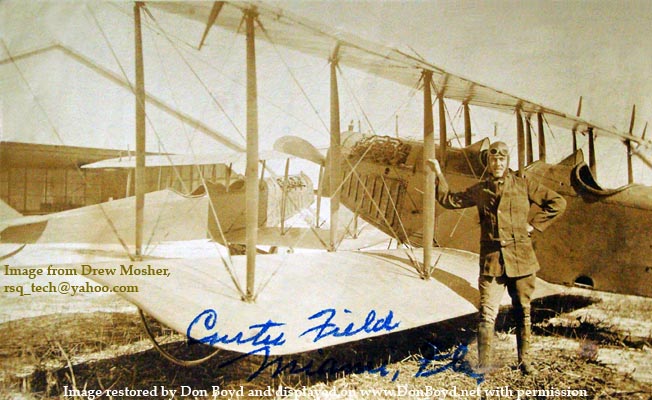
(507, 258)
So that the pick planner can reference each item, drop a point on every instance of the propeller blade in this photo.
(300, 148)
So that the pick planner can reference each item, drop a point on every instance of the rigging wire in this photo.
(408, 249)
(221, 72)
(199, 80)
(348, 86)
(412, 93)
(466, 156)
(126, 78)
(60, 138)
(294, 78)
(232, 80)
(227, 261)
(151, 124)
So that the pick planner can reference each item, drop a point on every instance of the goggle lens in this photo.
(501, 152)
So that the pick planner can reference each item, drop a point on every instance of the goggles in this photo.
(499, 152)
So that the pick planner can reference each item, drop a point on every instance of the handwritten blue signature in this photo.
(457, 363)
(330, 366)
(258, 336)
(328, 328)
(264, 336)
(292, 366)
(261, 335)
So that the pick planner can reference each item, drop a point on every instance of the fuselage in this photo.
(604, 240)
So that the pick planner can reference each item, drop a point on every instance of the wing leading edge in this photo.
(298, 33)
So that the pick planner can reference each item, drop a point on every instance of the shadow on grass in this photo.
(148, 369)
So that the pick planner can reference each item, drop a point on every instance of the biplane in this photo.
(249, 303)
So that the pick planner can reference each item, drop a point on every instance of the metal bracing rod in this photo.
(428, 175)
(334, 160)
(542, 138)
(628, 144)
(577, 114)
(251, 174)
(140, 130)
(520, 140)
(467, 125)
(215, 11)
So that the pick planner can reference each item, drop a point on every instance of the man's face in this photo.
(497, 165)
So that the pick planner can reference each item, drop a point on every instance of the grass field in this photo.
(586, 345)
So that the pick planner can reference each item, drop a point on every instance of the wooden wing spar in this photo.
(286, 29)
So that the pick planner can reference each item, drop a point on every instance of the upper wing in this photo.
(284, 28)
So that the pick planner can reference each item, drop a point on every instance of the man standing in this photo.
(507, 258)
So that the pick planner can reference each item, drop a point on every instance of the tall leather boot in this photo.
(485, 335)
(523, 334)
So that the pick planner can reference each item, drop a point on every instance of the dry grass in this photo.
(39, 356)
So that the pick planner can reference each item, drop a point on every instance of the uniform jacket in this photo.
(505, 246)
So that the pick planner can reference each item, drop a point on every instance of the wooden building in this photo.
(40, 179)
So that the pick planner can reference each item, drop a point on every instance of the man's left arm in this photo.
(551, 204)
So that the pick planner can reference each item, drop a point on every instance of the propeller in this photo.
(300, 148)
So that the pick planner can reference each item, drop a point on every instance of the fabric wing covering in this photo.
(285, 29)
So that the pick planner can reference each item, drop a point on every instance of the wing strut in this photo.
(251, 174)
(429, 174)
(467, 125)
(443, 140)
(285, 195)
(334, 162)
(520, 140)
(592, 162)
(528, 140)
(542, 138)
(140, 130)
(319, 187)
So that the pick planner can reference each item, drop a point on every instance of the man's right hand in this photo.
(434, 164)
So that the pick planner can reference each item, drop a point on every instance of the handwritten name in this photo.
(457, 363)
(428, 366)
(203, 329)
(258, 335)
(330, 366)
(371, 324)
(263, 336)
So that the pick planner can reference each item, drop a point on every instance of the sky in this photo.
(547, 52)
(544, 51)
